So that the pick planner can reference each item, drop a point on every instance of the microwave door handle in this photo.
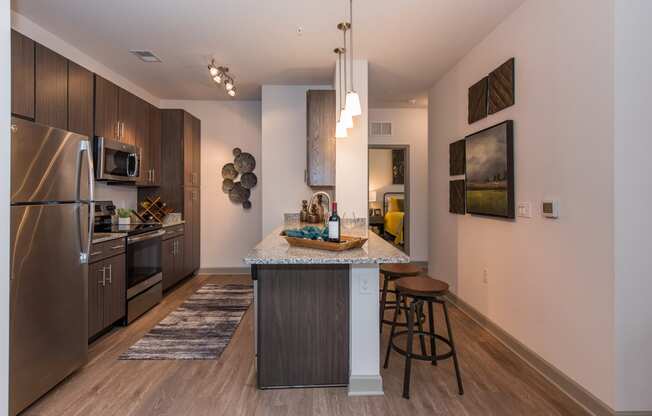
(135, 158)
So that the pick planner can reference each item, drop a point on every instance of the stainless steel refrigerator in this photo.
(51, 225)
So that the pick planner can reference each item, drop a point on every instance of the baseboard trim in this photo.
(643, 413)
(366, 385)
(225, 270)
(569, 387)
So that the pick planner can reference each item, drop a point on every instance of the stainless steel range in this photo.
(143, 262)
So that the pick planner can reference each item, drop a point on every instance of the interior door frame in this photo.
(406, 187)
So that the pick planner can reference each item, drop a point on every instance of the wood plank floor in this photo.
(496, 381)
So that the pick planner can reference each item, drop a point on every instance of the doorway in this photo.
(389, 193)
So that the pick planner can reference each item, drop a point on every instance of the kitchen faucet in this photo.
(328, 205)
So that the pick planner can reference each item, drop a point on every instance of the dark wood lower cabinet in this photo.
(303, 325)
(172, 261)
(106, 293)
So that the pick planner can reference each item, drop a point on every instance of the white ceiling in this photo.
(409, 43)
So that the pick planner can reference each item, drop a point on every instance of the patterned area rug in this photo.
(200, 329)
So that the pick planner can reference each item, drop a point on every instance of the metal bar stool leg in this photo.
(431, 325)
(454, 351)
(391, 332)
(408, 356)
(383, 301)
(422, 340)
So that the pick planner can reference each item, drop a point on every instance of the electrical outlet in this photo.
(366, 287)
(485, 276)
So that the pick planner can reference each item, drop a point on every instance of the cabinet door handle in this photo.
(110, 279)
(95, 253)
(103, 281)
(116, 131)
(153, 175)
(117, 247)
(122, 131)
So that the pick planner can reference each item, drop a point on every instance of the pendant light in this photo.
(345, 115)
(352, 106)
(340, 130)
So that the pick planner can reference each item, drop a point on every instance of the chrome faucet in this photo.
(328, 205)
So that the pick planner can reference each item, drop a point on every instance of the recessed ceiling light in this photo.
(146, 56)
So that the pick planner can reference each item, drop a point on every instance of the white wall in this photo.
(410, 126)
(228, 231)
(633, 196)
(5, 160)
(283, 158)
(550, 282)
(351, 187)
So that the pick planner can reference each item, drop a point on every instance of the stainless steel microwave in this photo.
(116, 161)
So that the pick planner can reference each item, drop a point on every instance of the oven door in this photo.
(116, 161)
(143, 262)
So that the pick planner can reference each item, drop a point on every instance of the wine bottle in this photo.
(334, 226)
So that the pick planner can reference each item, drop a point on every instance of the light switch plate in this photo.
(524, 210)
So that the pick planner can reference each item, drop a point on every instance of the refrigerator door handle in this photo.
(85, 147)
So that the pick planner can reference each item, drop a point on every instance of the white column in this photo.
(364, 350)
(351, 188)
(5, 159)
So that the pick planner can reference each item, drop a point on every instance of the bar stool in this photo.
(392, 272)
(420, 290)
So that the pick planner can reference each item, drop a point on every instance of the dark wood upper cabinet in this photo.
(155, 145)
(51, 88)
(22, 75)
(196, 152)
(80, 100)
(188, 174)
(106, 108)
(150, 145)
(321, 138)
(133, 114)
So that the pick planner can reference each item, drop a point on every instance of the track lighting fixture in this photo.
(219, 74)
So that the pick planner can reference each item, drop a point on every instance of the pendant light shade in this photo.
(353, 104)
(346, 119)
(340, 131)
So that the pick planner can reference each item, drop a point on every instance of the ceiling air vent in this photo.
(381, 128)
(146, 56)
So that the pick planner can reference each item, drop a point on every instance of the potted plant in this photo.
(124, 216)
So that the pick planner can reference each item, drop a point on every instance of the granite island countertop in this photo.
(273, 249)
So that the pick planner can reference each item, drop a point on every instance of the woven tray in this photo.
(347, 243)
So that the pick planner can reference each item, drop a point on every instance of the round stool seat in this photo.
(400, 269)
(421, 286)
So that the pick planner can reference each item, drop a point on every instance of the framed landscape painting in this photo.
(490, 171)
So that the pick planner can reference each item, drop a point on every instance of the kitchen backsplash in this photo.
(122, 196)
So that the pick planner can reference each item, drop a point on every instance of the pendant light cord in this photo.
(339, 62)
(351, 40)
(345, 78)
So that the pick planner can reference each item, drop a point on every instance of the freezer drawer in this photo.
(48, 311)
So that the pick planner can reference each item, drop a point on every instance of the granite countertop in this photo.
(102, 237)
(275, 250)
(172, 224)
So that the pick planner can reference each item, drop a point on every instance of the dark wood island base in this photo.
(302, 330)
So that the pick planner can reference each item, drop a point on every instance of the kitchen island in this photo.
(316, 313)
